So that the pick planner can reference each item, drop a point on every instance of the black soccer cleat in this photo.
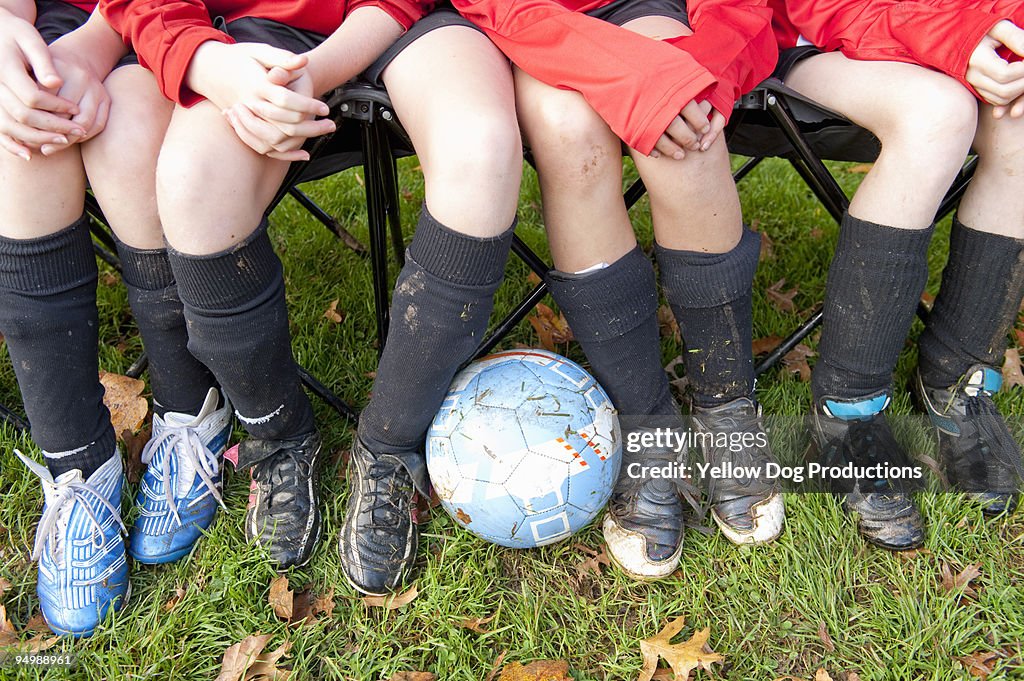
(749, 509)
(378, 538)
(283, 515)
(644, 526)
(978, 454)
(857, 432)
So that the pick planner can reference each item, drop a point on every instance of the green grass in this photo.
(887, 615)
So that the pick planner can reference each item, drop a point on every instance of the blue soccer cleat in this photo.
(181, 488)
(83, 573)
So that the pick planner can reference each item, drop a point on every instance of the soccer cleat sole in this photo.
(769, 521)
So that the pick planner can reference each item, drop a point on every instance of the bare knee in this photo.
(931, 123)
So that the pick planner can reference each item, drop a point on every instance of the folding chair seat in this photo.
(774, 120)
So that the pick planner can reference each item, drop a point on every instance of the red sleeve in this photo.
(165, 35)
(933, 33)
(636, 84)
(733, 40)
(405, 12)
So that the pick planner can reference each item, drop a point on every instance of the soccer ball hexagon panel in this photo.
(525, 449)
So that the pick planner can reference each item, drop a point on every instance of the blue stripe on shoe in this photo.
(992, 380)
(856, 409)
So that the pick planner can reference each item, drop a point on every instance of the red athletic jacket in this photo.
(635, 83)
(166, 33)
(87, 6)
(940, 34)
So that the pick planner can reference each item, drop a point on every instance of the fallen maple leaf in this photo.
(476, 623)
(1012, 374)
(980, 664)
(239, 657)
(265, 666)
(667, 324)
(533, 278)
(123, 397)
(541, 670)
(961, 580)
(281, 598)
(822, 675)
(762, 346)
(782, 300)
(392, 602)
(37, 623)
(332, 312)
(324, 604)
(413, 676)
(302, 608)
(5, 585)
(683, 657)
(38, 643)
(928, 300)
(551, 330)
(796, 361)
(8, 635)
(592, 564)
(463, 517)
(133, 446)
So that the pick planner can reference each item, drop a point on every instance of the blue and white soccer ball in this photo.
(525, 449)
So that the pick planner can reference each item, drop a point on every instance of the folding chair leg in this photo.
(389, 177)
(790, 342)
(377, 218)
(322, 391)
(9, 417)
(327, 220)
(747, 166)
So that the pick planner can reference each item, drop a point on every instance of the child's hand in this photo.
(998, 81)
(691, 130)
(31, 114)
(274, 132)
(83, 87)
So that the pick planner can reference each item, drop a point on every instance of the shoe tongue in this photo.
(179, 420)
(67, 477)
(855, 410)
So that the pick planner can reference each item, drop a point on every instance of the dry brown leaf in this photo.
(533, 278)
(8, 636)
(123, 397)
(782, 300)
(302, 608)
(816, 233)
(825, 639)
(860, 168)
(413, 676)
(980, 664)
(795, 361)
(239, 657)
(179, 593)
(392, 602)
(37, 623)
(324, 604)
(133, 445)
(667, 325)
(767, 248)
(592, 564)
(463, 517)
(1012, 374)
(541, 670)
(265, 668)
(787, 678)
(927, 299)
(852, 676)
(762, 346)
(961, 580)
(332, 312)
(476, 623)
(281, 598)
(496, 666)
(822, 675)
(683, 657)
(39, 643)
(5, 585)
(551, 330)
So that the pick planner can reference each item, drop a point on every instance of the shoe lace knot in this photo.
(184, 443)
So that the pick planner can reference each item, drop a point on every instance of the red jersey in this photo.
(636, 84)
(166, 33)
(939, 34)
(87, 6)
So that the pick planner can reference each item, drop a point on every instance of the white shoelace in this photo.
(63, 501)
(203, 461)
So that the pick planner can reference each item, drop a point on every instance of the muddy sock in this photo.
(711, 298)
(49, 321)
(439, 314)
(238, 327)
(874, 284)
(178, 380)
(981, 292)
(613, 313)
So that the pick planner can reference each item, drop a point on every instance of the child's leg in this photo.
(212, 191)
(965, 335)
(121, 164)
(453, 92)
(925, 122)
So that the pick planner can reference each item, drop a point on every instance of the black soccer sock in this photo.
(875, 281)
(178, 380)
(439, 313)
(711, 298)
(613, 313)
(238, 327)
(981, 292)
(49, 320)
